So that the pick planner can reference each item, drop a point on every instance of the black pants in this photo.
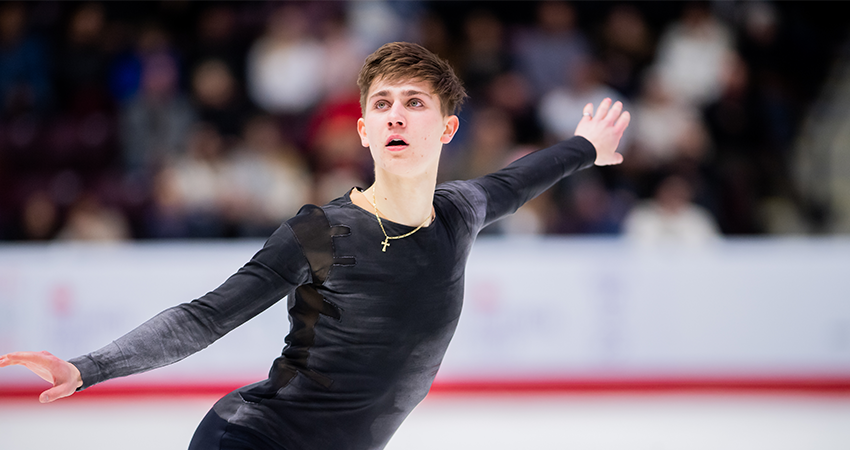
(215, 433)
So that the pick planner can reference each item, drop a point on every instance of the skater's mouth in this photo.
(396, 142)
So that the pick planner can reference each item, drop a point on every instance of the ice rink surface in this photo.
(671, 421)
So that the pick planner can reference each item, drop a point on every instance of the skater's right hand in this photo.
(64, 376)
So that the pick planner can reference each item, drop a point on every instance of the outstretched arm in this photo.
(181, 330)
(596, 139)
(64, 375)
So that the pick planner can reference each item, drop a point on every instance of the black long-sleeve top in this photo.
(368, 328)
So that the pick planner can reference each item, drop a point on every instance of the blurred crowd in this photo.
(173, 119)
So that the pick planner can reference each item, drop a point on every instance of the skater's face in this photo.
(404, 127)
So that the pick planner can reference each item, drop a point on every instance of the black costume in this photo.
(368, 329)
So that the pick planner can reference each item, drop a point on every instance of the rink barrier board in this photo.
(742, 315)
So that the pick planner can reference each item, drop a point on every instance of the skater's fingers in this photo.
(56, 392)
(38, 362)
(64, 376)
(602, 110)
(614, 112)
(587, 112)
(622, 122)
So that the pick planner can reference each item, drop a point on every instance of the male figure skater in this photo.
(374, 278)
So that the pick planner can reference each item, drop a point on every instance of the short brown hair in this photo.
(402, 61)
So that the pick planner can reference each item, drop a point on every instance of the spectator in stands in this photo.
(556, 109)
(692, 54)
(81, 62)
(90, 220)
(83, 133)
(218, 99)
(671, 217)
(375, 23)
(344, 53)
(286, 64)
(664, 129)
(513, 94)
(131, 49)
(190, 191)
(778, 69)
(585, 205)
(337, 159)
(40, 217)
(217, 37)
(166, 217)
(156, 123)
(546, 52)
(627, 48)
(484, 54)
(268, 178)
(24, 65)
(490, 146)
(737, 129)
(434, 34)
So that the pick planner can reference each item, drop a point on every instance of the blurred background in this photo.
(180, 119)
(694, 297)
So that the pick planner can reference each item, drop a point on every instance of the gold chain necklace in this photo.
(386, 242)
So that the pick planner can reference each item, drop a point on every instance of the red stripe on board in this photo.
(835, 385)
(649, 385)
(128, 390)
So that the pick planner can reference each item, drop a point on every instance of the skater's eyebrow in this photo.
(407, 93)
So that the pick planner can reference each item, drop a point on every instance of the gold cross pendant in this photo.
(386, 244)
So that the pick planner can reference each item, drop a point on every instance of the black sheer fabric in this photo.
(368, 329)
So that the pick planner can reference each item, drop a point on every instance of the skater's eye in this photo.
(382, 104)
(416, 103)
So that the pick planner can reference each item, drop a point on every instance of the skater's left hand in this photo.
(603, 129)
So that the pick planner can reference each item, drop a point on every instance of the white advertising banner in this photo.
(602, 308)
(541, 308)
